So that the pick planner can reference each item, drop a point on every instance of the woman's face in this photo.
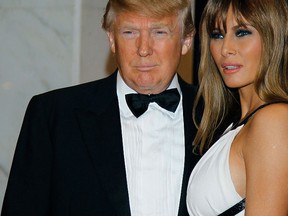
(237, 52)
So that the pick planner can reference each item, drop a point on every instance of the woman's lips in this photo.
(230, 68)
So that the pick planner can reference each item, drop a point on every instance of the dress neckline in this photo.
(246, 119)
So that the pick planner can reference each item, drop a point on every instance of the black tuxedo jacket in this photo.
(69, 156)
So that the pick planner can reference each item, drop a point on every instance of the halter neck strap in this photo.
(246, 119)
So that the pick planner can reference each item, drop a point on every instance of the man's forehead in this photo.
(134, 19)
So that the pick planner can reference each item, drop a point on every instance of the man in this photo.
(84, 151)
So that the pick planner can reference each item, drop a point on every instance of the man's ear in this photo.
(187, 43)
(111, 41)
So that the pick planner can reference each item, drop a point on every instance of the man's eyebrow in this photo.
(127, 25)
(156, 25)
(164, 26)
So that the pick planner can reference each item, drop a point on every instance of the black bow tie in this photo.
(138, 103)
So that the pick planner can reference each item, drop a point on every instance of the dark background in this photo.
(199, 6)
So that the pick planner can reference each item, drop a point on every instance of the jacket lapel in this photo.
(101, 130)
(188, 93)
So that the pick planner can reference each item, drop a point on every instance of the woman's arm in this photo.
(266, 160)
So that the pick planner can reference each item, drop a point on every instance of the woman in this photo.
(243, 64)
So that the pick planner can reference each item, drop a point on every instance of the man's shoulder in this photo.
(81, 94)
(83, 89)
(188, 90)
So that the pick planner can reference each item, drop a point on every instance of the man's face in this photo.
(147, 50)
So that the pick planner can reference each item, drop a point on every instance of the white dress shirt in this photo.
(154, 152)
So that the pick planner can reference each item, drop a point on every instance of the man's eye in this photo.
(216, 35)
(159, 32)
(129, 33)
(242, 32)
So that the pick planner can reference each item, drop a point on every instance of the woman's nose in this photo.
(228, 47)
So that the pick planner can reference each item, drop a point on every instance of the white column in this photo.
(39, 51)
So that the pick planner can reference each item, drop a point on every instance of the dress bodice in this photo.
(210, 189)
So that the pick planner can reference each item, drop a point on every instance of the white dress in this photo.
(210, 189)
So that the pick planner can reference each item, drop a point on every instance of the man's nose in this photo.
(144, 45)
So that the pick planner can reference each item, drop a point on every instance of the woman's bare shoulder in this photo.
(271, 117)
(269, 126)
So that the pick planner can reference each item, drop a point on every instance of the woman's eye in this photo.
(216, 35)
(242, 32)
